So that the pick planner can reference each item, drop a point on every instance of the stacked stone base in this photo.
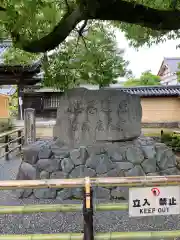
(53, 160)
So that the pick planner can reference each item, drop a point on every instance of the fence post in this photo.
(29, 125)
(7, 147)
(20, 139)
(88, 211)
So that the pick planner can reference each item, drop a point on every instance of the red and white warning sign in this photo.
(155, 191)
(152, 201)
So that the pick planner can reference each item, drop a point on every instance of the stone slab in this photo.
(87, 116)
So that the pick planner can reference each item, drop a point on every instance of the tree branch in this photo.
(117, 10)
(81, 30)
(173, 4)
(67, 6)
(134, 13)
(80, 33)
(53, 39)
(2, 9)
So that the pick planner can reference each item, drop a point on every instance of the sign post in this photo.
(29, 125)
(150, 201)
(20, 105)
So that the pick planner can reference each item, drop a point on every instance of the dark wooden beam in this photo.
(16, 80)
(16, 75)
(21, 69)
(11, 82)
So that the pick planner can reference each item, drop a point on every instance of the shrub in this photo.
(172, 140)
(13, 105)
(5, 125)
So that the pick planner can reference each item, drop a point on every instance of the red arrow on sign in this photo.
(155, 191)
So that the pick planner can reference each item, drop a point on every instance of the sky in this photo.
(147, 58)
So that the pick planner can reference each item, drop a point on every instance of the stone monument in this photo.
(86, 117)
(97, 133)
(29, 125)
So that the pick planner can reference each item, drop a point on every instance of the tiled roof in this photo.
(152, 91)
(7, 90)
(32, 68)
(144, 91)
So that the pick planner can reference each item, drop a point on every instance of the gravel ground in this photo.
(70, 222)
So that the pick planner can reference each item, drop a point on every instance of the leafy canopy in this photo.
(95, 59)
(146, 79)
(138, 35)
(16, 56)
(39, 26)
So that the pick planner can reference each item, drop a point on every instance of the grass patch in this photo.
(153, 134)
(156, 132)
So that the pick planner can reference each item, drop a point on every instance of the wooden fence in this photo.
(87, 207)
(9, 139)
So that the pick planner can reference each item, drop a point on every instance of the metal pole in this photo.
(88, 211)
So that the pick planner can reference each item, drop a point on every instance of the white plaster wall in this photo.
(169, 80)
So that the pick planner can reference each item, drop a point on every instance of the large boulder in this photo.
(87, 116)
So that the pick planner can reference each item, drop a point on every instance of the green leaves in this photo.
(34, 19)
(146, 79)
(138, 36)
(178, 73)
(31, 18)
(172, 140)
(15, 56)
(95, 60)
(13, 104)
